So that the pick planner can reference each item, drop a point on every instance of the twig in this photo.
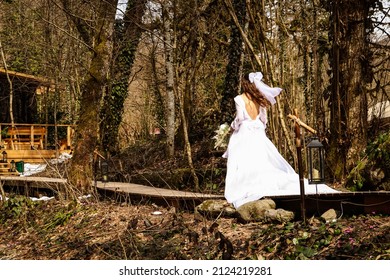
(123, 247)
(380, 256)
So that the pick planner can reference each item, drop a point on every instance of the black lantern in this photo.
(13, 166)
(5, 158)
(316, 162)
(104, 171)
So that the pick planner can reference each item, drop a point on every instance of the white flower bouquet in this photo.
(221, 137)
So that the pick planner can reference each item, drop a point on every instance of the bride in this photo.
(255, 168)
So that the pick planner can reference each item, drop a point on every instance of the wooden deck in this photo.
(29, 142)
(32, 156)
(37, 182)
(344, 202)
(366, 202)
(129, 188)
(31, 185)
(121, 191)
(135, 192)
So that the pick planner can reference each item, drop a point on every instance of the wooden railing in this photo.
(33, 136)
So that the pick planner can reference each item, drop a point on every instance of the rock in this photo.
(215, 208)
(329, 216)
(254, 210)
(278, 215)
(377, 175)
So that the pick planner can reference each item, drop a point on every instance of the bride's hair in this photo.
(253, 92)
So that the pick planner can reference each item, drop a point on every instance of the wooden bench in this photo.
(5, 169)
(25, 137)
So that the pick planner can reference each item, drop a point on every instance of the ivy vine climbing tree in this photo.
(351, 73)
(127, 35)
(234, 67)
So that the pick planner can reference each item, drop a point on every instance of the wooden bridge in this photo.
(120, 191)
(343, 202)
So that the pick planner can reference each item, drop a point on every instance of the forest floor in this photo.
(105, 229)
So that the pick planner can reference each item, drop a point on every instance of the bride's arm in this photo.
(235, 125)
(263, 115)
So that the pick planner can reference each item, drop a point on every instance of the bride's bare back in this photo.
(251, 107)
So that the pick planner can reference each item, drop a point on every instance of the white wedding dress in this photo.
(255, 168)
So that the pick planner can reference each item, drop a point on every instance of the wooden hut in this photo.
(25, 89)
(24, 133)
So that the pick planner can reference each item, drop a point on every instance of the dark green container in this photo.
(20, 166)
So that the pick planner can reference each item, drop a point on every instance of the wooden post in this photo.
(300, 171)
(301, 123)
(68, 136)
(2, 193)
(32, 137)
(298, 124)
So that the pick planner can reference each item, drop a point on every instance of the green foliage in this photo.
(114, 105)
(379, 151)
(296, 240)
(375, 157)
(16, 208)
(60, 218)
(356, 180)
(4, 132)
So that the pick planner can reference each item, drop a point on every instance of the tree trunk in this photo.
(11, 90)
(128, 33)
(87, 131)
(169, 68)
(319, 115)
(187, 144)
(348, 102)
(232, 86)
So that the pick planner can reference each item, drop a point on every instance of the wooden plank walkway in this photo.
(166, 197)
(174, 197)
(343, 202)
(137, 189)
(367, 202)
(33, 185)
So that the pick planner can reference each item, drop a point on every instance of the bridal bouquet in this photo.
(221, 136)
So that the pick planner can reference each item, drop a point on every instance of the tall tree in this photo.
(99, 37)
(351, 73)
(167, 14)
(11, 90)
(235, 56)
(128, 32)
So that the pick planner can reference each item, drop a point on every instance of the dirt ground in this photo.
(89, 229)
